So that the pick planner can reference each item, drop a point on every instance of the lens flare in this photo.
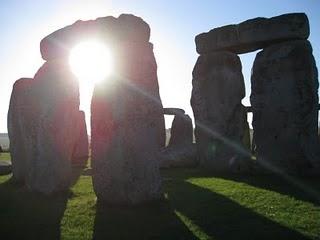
(90, 61)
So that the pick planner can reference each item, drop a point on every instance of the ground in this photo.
(196, 205)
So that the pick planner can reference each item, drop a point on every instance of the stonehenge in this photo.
(48, 132)
(127, 123)
(284, 95)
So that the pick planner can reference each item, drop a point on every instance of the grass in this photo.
(4, 156)
(197, 205)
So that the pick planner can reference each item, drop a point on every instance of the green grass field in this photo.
(197, 205)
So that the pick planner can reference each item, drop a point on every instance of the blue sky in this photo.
(174, 24)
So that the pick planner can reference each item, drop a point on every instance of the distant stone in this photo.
(218, 88)
(181, 131)
(54, 124)
(179, 156)
(111, 30)
(284, 99)
(173, 111)
(20, 127)
(5, 168)
(81, 151)
(127, 127)
(254, 34)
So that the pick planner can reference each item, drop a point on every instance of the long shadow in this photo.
(220, 218)
(29, 215)
(149, 221)
(302, 188)
(305, 189)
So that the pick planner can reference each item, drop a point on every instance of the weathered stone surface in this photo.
(218, 88)
(254, 34)
(181, 131)
(173, 111)
(109, 29)
(127, 127)
(20, 123)
(81, 151)
(53, 131)
(5, 168)
(285, 100)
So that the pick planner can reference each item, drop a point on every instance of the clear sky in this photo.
(174, 24)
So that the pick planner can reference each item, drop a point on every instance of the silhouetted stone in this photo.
(184, 155)
(53, 139)
(284, 99)
(20, 127)
(81, 151)
(218, 88)
(173, 111)
(5, 168)
(127, 127)
(254, 34)
(111, 30)
(181, 131)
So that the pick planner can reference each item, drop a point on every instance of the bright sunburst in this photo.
(90, 61)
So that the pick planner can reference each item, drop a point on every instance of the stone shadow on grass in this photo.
(221, 218)
(155, 220)
(304, 189)
(26, 215)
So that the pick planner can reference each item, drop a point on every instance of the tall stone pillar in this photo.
(218, 88)
(284, 99)
(127, 123)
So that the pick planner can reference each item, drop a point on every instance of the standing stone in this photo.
(218, 88)
(181, 130)
(127, 127)
(53, 140)
(285, 99)
(20, 116)
(81, 151)
(181, 152)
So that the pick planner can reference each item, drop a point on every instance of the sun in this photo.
(90, 61)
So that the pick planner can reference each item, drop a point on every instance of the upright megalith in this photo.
(181, 130)
(55, 131)
(218, 88)
(127, 123)
(181, 151)
(41, 126)
(284, 99)
(20, 127)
